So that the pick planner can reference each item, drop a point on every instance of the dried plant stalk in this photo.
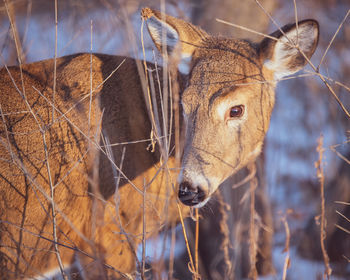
(224, 229)
(191, 265)
(196, 244)
(253, 273)
(320, 176)
(286, 248)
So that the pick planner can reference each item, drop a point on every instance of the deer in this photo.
(81, 176)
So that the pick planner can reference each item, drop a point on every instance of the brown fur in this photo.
(96, 223)
(25, 211)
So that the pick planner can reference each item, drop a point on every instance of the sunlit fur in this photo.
(225, 73)
(63, 152)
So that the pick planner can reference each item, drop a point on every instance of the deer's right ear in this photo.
(173, 32)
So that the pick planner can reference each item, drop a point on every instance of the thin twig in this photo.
(245, 180)
(116, 197)
(131, 142)
(18, 49)
(296, 20)
(25, 33)
(59, 260)
(331, 41)
(246, 29)
(148, 93)
(196, 244)
(286, 248)
(6, 132)
(192, 267)
(253, 273)
(320, 176)
(143, 232)
(53, 211)
(12, 17)
(342, 202)
(225, 245)
(172, 252)
(329, 79)
(342, 215)
(165, 91)
(333, 148)
(90, 100)
(55, 65)
(343, 229)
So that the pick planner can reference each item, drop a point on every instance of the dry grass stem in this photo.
(329, 79)
(331, 41)
(286, 248)
(6, 133)
(148, 93)
(225, 231)
(9, 7)
(143, 262)
(342, 202)
(334, 149)
(253, 273)
(342, 215)
(342, 228)
(196, 245)
(18, 50)
(55, 64)
(191, 264)
(246, 29)
(245, 180)
(320, 176)
(53, 211)
(296, 20)
(172, 252)
(90, 100)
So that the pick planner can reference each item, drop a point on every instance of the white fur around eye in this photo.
(221, 110)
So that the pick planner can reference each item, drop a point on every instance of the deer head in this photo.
(229, 97)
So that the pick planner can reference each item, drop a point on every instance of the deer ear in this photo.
(173, 32)
(281, 57)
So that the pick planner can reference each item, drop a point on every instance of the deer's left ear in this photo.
(281, 57)
(172, 32)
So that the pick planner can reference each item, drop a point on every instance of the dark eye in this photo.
(236, 111)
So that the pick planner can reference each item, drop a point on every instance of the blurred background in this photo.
(288, 187)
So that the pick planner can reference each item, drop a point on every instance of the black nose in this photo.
(189, 195)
